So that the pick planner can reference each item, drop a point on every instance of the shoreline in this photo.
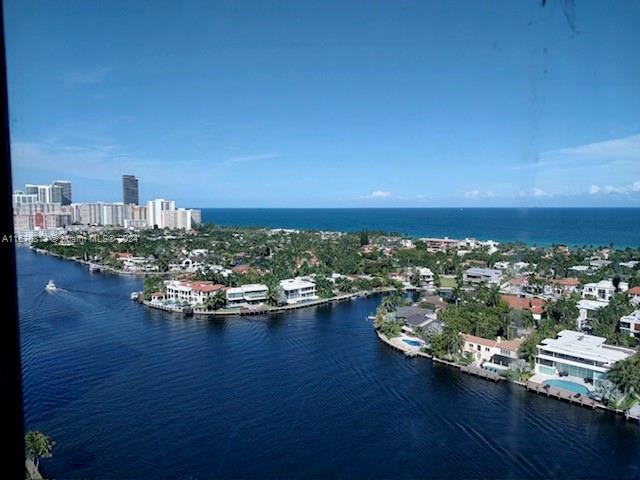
(270, 310)
(104, 268)
(531, 387)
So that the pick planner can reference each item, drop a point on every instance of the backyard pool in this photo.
(413, 343)
(567, 385)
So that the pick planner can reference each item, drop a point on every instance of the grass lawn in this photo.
(447, 282)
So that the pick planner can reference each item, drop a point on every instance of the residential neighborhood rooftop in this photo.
(581, 345)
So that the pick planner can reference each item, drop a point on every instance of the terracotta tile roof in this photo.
(479, 340)
(511, 345)
(533, 304)
(634, 291)
(241, 269)
(568, 282)
(518, 281)
(206, 287)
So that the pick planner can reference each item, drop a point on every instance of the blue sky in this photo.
(329, 104)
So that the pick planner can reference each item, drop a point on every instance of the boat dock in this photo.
(482, 373)
(562, 394)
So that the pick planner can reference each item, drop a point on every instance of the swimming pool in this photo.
(413, 343)
(567, 385)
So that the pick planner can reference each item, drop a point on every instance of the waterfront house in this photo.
(133, 264)
(494, 355)
(630, 324)
(251, 294)
(424, 318)
(603, 290)
(194, 293)
(582, 358)
(475, 275)
(297, 290)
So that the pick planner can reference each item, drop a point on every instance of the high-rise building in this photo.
(44, 192)
(130, 189)
(56, 194)
(98, 213)
(20, 198)
(65, 191)
(155, 209)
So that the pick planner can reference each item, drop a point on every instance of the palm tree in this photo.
(37, 446)
(608, 392)
(493, 296)
(216, 301)
(453, 341)
(274, 294)
(388, 303)
(625, 374)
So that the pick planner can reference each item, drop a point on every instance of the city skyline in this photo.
(419, 107)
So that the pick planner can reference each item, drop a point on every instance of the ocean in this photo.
(534, 226)
(126, 392)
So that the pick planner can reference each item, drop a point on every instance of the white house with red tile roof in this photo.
(495, 355)
(190, 292)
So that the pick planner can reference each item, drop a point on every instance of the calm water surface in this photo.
(535, 226)
(130, 393)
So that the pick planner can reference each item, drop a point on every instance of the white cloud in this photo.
(251, 158)
(617, 148)
(86, 77)
(478, 194)
(621, 189)
(534, 192)
(624, 149)
(379, 194)
(107, 161)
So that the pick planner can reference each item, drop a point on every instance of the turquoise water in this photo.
(534, 226)
(413, 343)
(567, 385)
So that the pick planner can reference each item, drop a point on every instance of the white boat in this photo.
(51, 287)
(94, 268)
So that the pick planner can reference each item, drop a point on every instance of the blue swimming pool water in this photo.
(413, 343)
(566, 385)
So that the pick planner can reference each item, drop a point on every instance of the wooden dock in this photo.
(482, 373)
(561, 394)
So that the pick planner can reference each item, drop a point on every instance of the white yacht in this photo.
(51, 287)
